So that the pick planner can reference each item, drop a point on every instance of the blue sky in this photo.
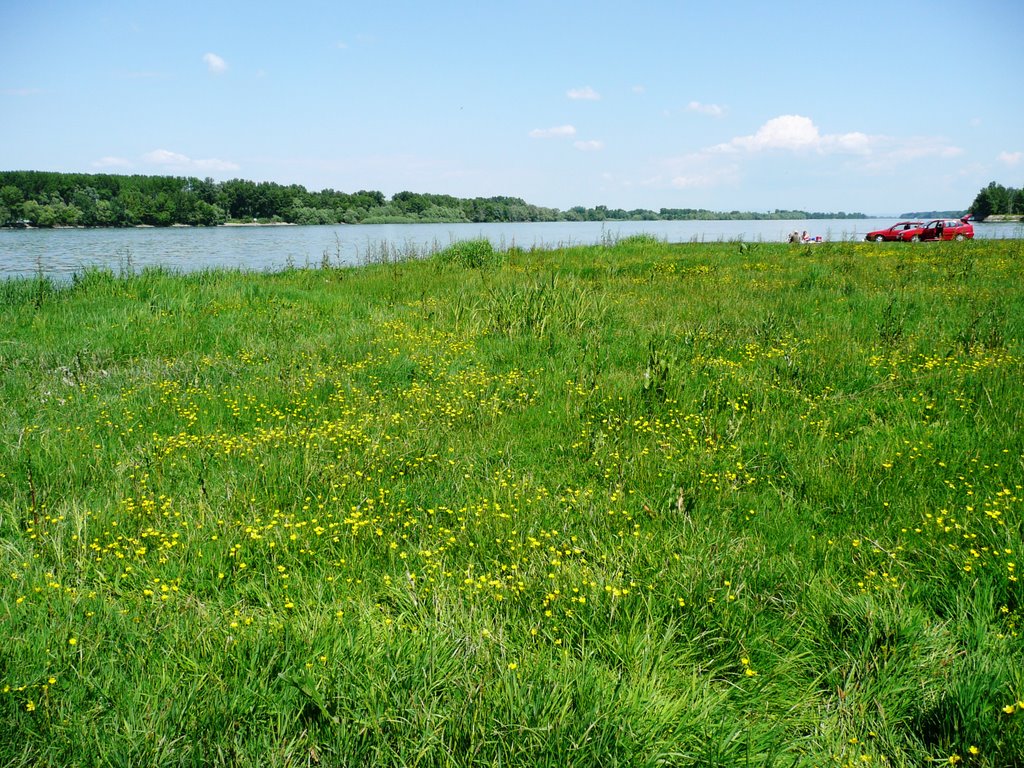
(877, 107)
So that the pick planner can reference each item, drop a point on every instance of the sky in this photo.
(871, 107)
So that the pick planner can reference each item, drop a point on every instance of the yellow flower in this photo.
(73, 641)
(512, 665)
(1009, 709)
(973, 750)
(30, 706)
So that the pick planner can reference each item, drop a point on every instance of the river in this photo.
(60, 253)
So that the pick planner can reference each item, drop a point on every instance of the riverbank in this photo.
(258, 224)
(588, 505)
(61, 254)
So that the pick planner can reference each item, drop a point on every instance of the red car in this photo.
(941, 229)
(895, 232)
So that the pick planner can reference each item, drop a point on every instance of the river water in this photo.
(60, 253)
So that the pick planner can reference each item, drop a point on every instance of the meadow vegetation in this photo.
(629, 504)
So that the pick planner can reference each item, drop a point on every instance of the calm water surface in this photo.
(60, 253)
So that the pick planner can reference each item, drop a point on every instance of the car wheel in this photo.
(915, 239)
(959, 237)
(879, 239)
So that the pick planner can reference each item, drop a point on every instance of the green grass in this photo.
(630, 504)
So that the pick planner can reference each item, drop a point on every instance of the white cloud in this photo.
(112, 162)
(727, 163)
(583, 94)
(639, 89)
(589, 146)
(1011, 158)
(712, 110)
(215, 64)
(175, 160)
(854, 143)
(558, 132)
(796, 133)
(165, 157)
(784, 132)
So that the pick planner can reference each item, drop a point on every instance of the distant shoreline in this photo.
(254, 224)
(1000, 218)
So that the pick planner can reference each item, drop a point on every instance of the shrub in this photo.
(473, 254)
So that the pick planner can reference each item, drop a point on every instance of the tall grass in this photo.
(626, 504)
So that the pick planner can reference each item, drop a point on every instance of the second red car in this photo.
(941, 229)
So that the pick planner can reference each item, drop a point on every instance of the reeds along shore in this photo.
(627, 504)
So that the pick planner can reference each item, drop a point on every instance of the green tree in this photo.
(993, 199)
(86, 200)
(11, 196)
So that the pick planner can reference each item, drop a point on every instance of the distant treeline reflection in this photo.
(48, 199)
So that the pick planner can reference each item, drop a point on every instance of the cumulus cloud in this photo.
(589, 146)
(166, 158)
(712, 110)
(797, 133)
(583, 94)
(558, 132)
(215, 64)
(1011, 158)
(726, 163)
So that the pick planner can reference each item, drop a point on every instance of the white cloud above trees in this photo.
(797, 135)
(557, 132)
(112, 162)
(175, 160)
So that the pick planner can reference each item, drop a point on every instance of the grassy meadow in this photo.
(630, 504)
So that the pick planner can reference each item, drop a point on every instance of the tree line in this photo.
(51, 199)
(995, 199)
